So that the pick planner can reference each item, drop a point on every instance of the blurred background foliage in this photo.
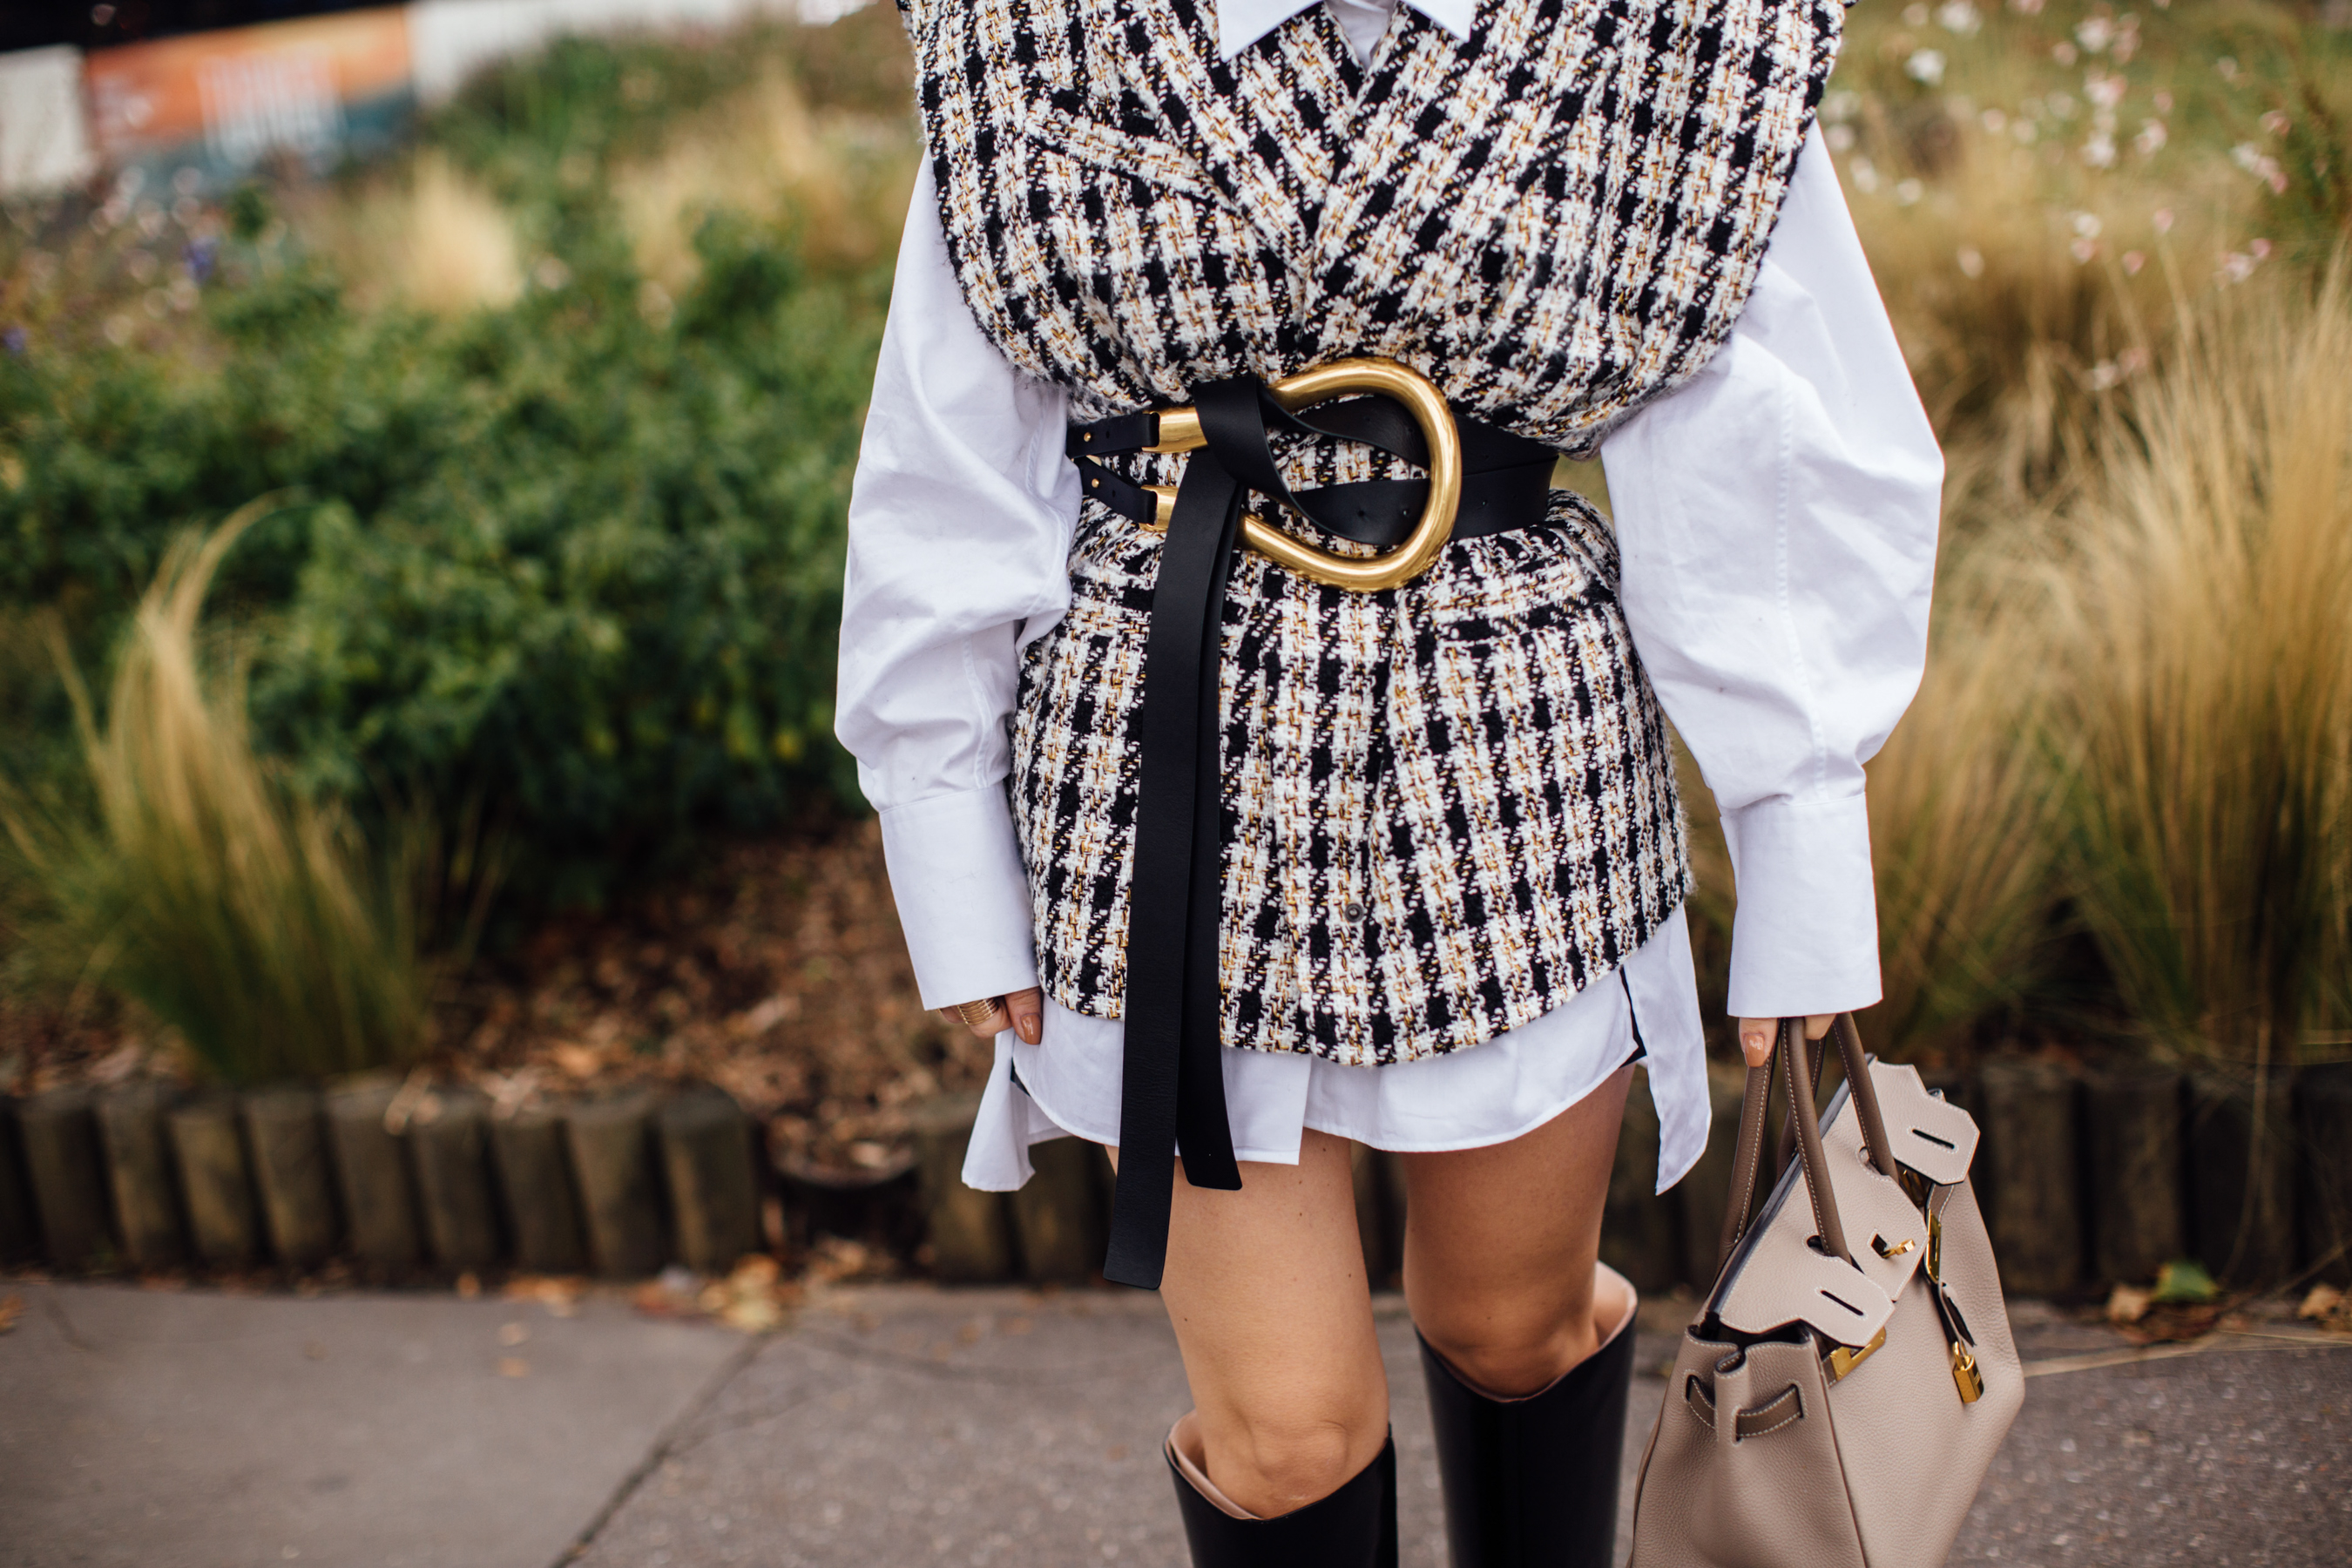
(558, 411)
(564, 411)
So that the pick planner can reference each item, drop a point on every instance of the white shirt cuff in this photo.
(1804, 935)
(964, 899)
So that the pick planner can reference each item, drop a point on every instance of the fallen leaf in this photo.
(833, 1257)
(2173, 1323)
(656, 1300)
(579, 1061)
(2126, 1304)
(11, 1308)
(756, 1271)
(753, 1314)
(758, 1020)
(118, 1064)
(556, 1292)
(2184, 1279)
(2322, 1302)
(513, 1366)
(470, 1286)
(512, 1334)
(314, 1350)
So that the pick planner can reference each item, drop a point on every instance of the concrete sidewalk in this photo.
(908, 1426)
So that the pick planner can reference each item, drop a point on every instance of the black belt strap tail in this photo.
(1173, 1089)
(1172, 1094)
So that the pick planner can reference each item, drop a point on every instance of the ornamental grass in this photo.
(2201, 610)
(252, 921)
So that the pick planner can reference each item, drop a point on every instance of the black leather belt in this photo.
(1173, 1095)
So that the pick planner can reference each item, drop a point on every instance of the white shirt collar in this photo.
(1241, 23)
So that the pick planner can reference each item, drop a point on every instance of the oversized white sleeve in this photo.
(1776, 518)
(960, 525)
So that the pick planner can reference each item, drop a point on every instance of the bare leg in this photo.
(1266, 1292)
(1500, 1244)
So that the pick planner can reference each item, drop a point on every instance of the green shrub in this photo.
(558, 557)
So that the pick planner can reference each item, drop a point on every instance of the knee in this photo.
(1509, 1371)
(1512, 1354)
(1281, 1448)
(1284, 1461)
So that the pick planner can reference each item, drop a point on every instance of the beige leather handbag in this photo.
(1837, 1400)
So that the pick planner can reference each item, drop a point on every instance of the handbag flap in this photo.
(1785, 1280)
(1931, 1136)
(1777, 1276)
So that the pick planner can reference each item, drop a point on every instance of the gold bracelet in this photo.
(975, 1013)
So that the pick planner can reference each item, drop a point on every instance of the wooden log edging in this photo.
(2242, 1192)
(2089, 1178)
(1641, 1230)
(542, 1198)
(286, 1137)
(371, 1168)
(705, 1150)
(69, 1177)
(145, 1176)
(2134, 1172)
(2324, 1119)
(20, 1232)
(1061, 1217)
(969, 1232)
(450, 1139)
(612, 1155)
(2027, 1175)
(136, 1141)
(216, 1179)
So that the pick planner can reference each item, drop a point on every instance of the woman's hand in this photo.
(1023, 1013)
(1757, 1035)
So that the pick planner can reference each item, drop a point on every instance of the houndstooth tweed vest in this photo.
(1449, 806)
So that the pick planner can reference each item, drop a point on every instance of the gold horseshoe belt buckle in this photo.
(1180, 431)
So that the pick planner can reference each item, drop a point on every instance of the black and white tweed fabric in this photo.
(1555, 220)
(1446, 809)
(1449, 806)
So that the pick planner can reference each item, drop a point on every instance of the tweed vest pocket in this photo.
(1058, 132)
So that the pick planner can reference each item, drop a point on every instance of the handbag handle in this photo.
(1798, 1065)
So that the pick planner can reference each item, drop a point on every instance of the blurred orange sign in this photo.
(233, 99)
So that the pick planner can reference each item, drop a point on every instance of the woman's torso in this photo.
(1451, 806)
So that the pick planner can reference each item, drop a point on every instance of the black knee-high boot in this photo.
(1355, 1526)
(1532, 1482)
